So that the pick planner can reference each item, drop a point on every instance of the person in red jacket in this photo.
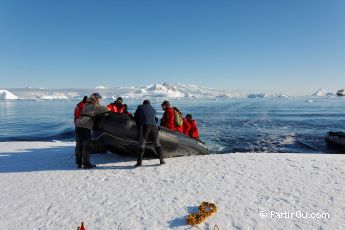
(117, 106)
(193, 130)
(125, 111)
(78, 109)
(168, 118)
(178, 128)
(186, 126)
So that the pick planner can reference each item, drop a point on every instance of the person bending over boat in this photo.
(84, 125)
(117, 106)
(145, 116)
(193, 130)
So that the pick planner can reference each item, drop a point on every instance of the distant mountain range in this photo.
(164, 90)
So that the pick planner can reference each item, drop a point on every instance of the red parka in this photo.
(186, 126)
(193, 130)
(116, 108)
(77, 111)
(168, 118)
(179, 128)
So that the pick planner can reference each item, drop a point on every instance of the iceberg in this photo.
(7, 95)
(54, 97)
(101, 87)
(257, 95)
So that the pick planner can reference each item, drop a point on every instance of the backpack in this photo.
(178, 120)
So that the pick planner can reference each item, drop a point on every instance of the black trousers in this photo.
(83, 146)
(149, 132)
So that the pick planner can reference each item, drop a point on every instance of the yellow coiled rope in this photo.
(206, 209)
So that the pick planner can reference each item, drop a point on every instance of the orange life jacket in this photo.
(116, 108)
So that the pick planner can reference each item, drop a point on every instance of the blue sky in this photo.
(290, 46)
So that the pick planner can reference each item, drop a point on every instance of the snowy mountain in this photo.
(177, 91)
(157, 90)
(7, 95)
(320, 93)
(164, 90)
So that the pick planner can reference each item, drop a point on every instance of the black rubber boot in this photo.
(140, 155)
(78, 153)
(86, 155)
(160, 155)
(89, 166)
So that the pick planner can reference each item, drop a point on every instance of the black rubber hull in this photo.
(336, 140)
(119, 134)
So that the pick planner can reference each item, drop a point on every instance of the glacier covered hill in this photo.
(7, 95)
(164, 90)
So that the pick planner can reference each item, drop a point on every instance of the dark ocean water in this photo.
(229, 125)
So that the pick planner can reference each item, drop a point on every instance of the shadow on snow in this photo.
(55, 158)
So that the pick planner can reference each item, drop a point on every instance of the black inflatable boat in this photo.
(336, 140)
(119, 134)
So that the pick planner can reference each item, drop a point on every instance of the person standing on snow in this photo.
(78, 109)
(84, 125)
(145, 115)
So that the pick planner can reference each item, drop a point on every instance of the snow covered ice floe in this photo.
(7, 95)
(41, 189)
(56, 96)
(101, 87)
(257, 95)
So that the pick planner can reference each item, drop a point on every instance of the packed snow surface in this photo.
(7, 95)
(42, 189)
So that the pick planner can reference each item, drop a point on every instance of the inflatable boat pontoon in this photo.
(336, 139)
(120, 135)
